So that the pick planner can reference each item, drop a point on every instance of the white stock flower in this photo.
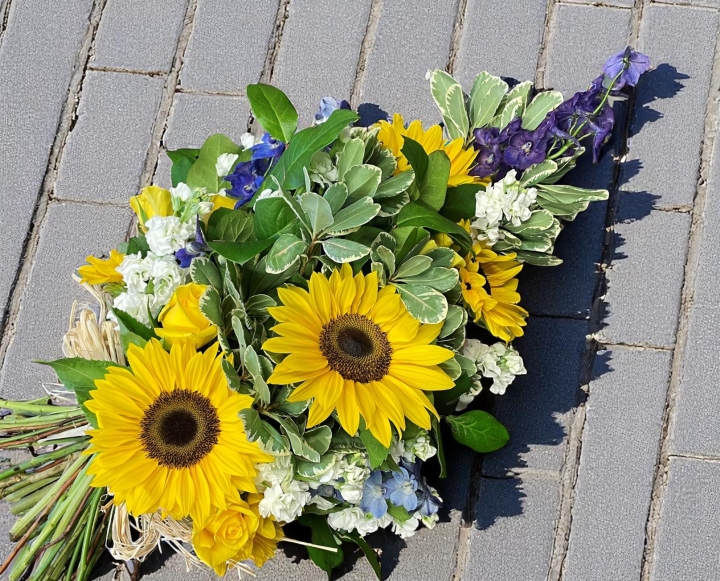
(135, 271)
(505, 200)
(166, 276)
(268, 193)
(351, 473)
(405, 529)
(321, 502)
(247, 140)
(134, 304)
(419, 447)
(353, 518)
(279, 471)
(181, 192)
(428, 521)
(284, 504)
(397, 450)
(498, 362)
(224, 164)
(167, 234)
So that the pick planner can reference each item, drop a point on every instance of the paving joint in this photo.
(456, 38)
(206, 93)
(101, 69)
(701, 457)
(542, 61)
(366, 47)
(68, 118)
(660, 480)
(4, 15)
(636, 346)
(160, 125)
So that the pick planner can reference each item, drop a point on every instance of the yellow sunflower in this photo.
(356, 349)
(485, 271)
(169, 436)
(100, 271)
(392, 135)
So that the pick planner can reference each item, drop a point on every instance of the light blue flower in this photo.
(373, 500)
(327, 106)
(400, 489)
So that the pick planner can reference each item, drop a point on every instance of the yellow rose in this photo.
(101, 271)
(152, 201)
(267, 536)
(182, 320)
(225, 535)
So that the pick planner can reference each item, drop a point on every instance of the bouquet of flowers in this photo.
(287, 332)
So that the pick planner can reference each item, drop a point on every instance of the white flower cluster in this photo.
(347, 473)
(498, 362)
(420, 446)
(284, 498)
(503, 201)
(150, 282)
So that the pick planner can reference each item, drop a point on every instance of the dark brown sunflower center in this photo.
(356, 348)
(180, 428)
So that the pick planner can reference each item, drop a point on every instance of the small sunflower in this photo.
(100, 271)
(169, 436)
(489, 287)
(392, 135)
(356, 349)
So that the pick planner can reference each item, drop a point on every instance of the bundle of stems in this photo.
(62, 522)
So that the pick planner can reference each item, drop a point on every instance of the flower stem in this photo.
(32, 407)
(42, 459)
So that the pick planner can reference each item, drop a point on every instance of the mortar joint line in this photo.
(68, 116)
(366, 47)
(161, 119)
(126, 71)
(456, 37)
(4, 16)
(542, 60)
(706, 152)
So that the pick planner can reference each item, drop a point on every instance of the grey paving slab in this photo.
(319, 52)
(229, 41)
(105, 152)
(412, 38)
(194, 118)
(162, 171)
(538, 407)
(515, 528)
(138, 35)
(491, 28)
(667, 130)
(28, 124)
(620, 444)
(646, 276)
(696, 428)
(573, 62)
(69, 233)
(567, 290)
(688, 535)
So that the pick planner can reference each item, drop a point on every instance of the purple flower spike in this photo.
(487, 143)
(629, 64)
(526, 148)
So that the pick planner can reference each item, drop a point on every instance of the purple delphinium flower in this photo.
(268, 149)
(488, 145)
(192, 249)
(327, 106)
(249, 175)
(526, 148)
(400, 489)
(373, 499)
(629, 64)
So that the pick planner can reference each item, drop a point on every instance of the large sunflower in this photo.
(169, 436)
(489, 287)
(392, 135)
(356, 349)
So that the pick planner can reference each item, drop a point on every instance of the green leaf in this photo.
(138, 244)
(203, 174)
(539, 221)
(318, 211)
(251, 361)
(336, 195)
(351, 155)
(354, 216)
(369, 552)
(416, 156)
(321, 534)
(442, 257)
(456, 317)
(413, 266)
(387, 258)
(210, 306)
(273, 110)
(398, 512)
(78, 375)
(376, 451)
(440, 279)
(568, 194)
(434, 184)
(230, 225)
(407, 238)
(341, 250)
(439, 445)
(456, 117)
(540, 106)
(521, 90)
(204, 271)
(362, 181)
(479, 431)
(440, 83)
(416, 215)
(239, 252)
(392, 206)
(286, 251)
(318, 438)
(304, 144)
(258, 429)
(511, 110)
(133, 325)
(485, 97)
(395, 185)
(182, 161)
(460, 202)
(538, 259)
(423, 303)
(538, 172)
(273, 216)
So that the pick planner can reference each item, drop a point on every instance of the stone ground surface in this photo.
(613, 470)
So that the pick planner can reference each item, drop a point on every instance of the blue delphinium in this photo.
(526, 148)
(400, 489)
(373, 499)
(489, 147)
(192, 249)
(249, 175)
(627, 66)
(327, 106)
